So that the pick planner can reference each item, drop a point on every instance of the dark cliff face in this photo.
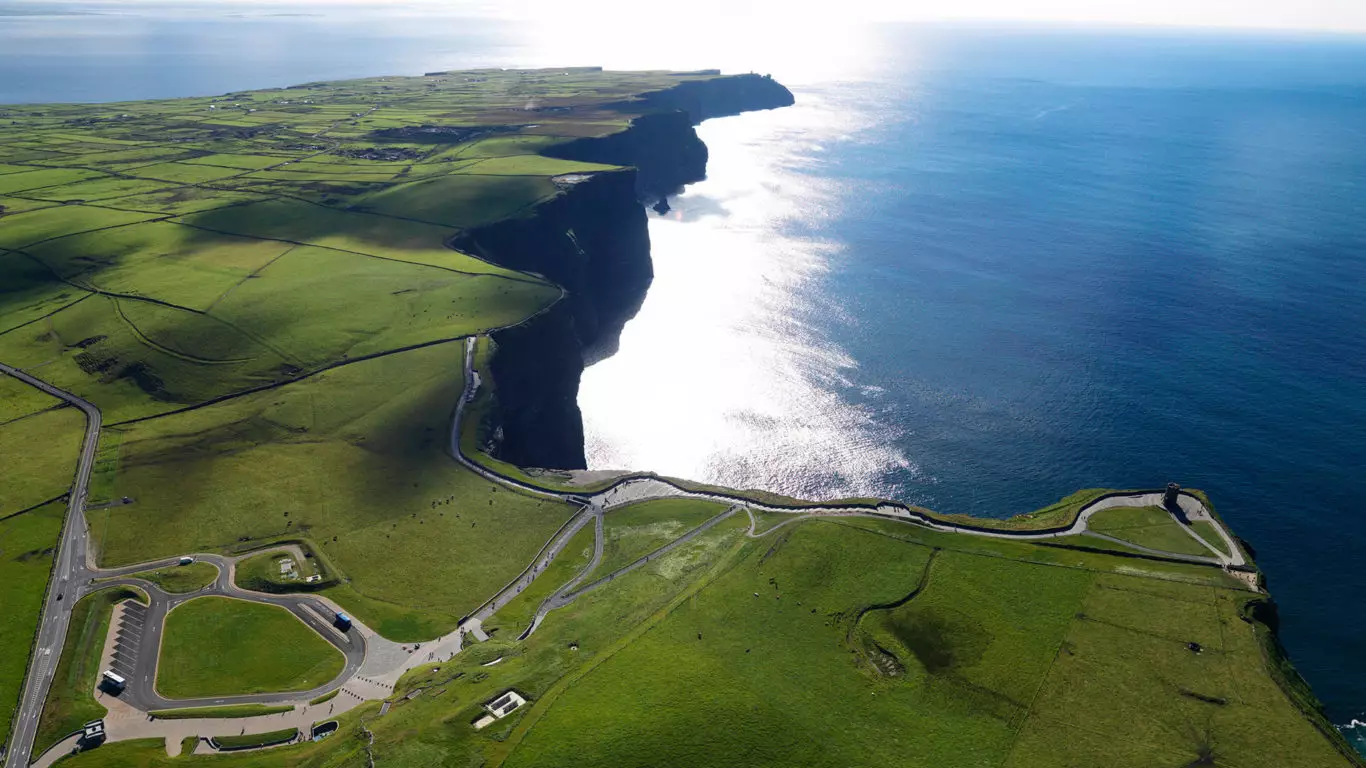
(719, 97)
(536, 369)
(662, 146)
(593, 240)
(661, 143)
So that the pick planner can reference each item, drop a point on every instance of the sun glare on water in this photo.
(721, 377)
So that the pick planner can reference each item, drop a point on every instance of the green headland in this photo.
(334, 333)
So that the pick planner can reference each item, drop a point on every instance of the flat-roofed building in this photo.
(500, 707)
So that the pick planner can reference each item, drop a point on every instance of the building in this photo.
(499, 708)
(92, 735)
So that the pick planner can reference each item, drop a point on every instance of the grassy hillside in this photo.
(636, 530)
(1151, 527)
(257, 290)
(181, 579)
(975, 659)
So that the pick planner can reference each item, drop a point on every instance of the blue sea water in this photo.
(976, 268)
(1083, 265)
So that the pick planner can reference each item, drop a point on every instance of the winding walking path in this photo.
(632, 489)
(374, 664)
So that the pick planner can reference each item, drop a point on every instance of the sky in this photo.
(1319, 15)
(1347, 16)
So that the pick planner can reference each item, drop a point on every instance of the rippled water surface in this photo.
(975, 270)
(1004, 267)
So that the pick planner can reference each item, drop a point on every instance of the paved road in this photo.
(73, 576)
(67, 572)
(73, 573)
(141, 691)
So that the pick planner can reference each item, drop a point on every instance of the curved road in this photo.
(73, 577)
(73, 574)
(141, 690)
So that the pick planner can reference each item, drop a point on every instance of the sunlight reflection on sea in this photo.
(724, 376)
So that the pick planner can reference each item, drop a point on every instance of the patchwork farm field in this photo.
(257, 292)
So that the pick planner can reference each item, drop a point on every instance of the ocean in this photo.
(975, 268)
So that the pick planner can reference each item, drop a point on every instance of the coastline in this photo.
(1259, 612)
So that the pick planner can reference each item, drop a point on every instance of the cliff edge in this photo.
(592, 239)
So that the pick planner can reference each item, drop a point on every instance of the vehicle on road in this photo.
(342, 621)
(112, 681)
(186, 560)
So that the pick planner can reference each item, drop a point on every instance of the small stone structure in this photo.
(1170, 496)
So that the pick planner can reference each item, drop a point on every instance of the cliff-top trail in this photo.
(325, 340)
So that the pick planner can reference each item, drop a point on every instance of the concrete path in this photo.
(569, 593)
(374, 664)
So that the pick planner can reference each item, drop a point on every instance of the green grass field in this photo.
(354, 461)
(40, 453)
(18, 399)
(983, 664)
(1150, 527)
(26, 543)
(72, 700)
(258, 292)
(248, 740)
(216, 646)
(180, 579)
(228, 711)
(636, 530)
(1206, 531)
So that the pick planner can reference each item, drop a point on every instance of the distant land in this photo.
(294, 473)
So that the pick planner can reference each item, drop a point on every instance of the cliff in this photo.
(719, 97)
(536, 369)
(661, 142)
(663, 147)
(593, 240)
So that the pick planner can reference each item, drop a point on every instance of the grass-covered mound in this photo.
(254, 740)
(636, 530)
(282, 571)
(216, 646)
(181, 579)
(226, 711)
(1151, 527)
